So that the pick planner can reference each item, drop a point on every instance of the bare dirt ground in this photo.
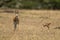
(31, 25)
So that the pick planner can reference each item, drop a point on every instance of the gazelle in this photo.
(15, 21)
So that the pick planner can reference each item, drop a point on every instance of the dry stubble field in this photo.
(31, 25)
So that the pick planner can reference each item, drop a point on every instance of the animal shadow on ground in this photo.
(57, 28)
(47, 25)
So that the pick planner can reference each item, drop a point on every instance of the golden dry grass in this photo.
(31, 25)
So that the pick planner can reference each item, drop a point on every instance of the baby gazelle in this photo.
(47, 25)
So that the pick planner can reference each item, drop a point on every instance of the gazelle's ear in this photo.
(16, 11)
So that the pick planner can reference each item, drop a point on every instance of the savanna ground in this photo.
(31, 25)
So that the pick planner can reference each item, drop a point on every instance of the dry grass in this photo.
(31, 25)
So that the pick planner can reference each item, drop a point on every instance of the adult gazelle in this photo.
(15, 21)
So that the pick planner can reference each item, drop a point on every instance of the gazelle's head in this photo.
(16, 14)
